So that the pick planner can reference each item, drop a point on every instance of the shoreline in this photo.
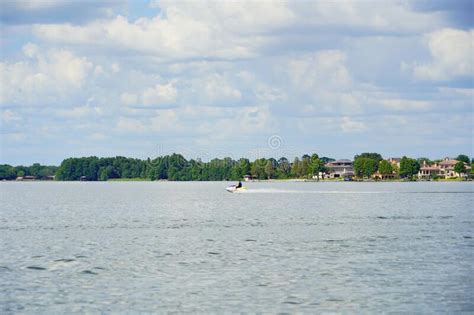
(295, 180)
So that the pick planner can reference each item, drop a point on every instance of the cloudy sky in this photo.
(235, 78)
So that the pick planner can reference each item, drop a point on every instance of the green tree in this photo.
(385, 167)
(326, 159)
(296, 167)
(422, 160)
(463, 158)
(304, 166)
(373, 156)
(316, 166)
(283, 168)
(270, 169)
(365, 167)
(408, 167)
(460, 168)
(7, 172)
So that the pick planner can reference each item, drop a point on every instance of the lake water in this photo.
(279, 247)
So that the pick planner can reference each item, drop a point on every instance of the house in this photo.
(444, 169)
(340, 169)
(430, 171)
(395, 161)
(447, 165)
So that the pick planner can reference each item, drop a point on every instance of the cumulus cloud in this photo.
(157, 95)
(218, 89)
(323, 79)
(452, 55)
(235, 30)
(321, 70)
(160, 94)
(43, 76)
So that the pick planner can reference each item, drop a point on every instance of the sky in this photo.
(235, 78)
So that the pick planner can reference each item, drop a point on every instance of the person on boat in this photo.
(239, 185)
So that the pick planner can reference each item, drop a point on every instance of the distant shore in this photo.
(299, 180)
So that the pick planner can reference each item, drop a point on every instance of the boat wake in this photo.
(289, 191)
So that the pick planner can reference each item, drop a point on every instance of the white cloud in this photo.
(404, 104)
(98, 70)
(387, 16)
(348, 125)
(269, 94)
(218, 89)
(128, 99)
(160, 94)
(157, 95)
(125, 124)
(80, 112)
(115, 67)
(30, 50)
(452, 54)
(321, 70)
(42, 78)
(166, 120)
(9, 116)
(323, 78)
(234, 29)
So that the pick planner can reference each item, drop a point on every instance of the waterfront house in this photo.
(340, 169)
(443, 169)
(447, 165)
(430, 171)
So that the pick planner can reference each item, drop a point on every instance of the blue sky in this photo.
(235, 78)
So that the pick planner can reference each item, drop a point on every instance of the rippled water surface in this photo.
(278, 247)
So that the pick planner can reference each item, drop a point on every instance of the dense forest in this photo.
(176, 167)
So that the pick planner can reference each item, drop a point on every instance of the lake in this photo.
(278, 247)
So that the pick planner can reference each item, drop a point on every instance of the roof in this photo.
(448, 162)
(430, 168)
(339, 162)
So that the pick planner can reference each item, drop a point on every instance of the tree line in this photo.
(177, 168)
(171, 167)
(8, 172)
